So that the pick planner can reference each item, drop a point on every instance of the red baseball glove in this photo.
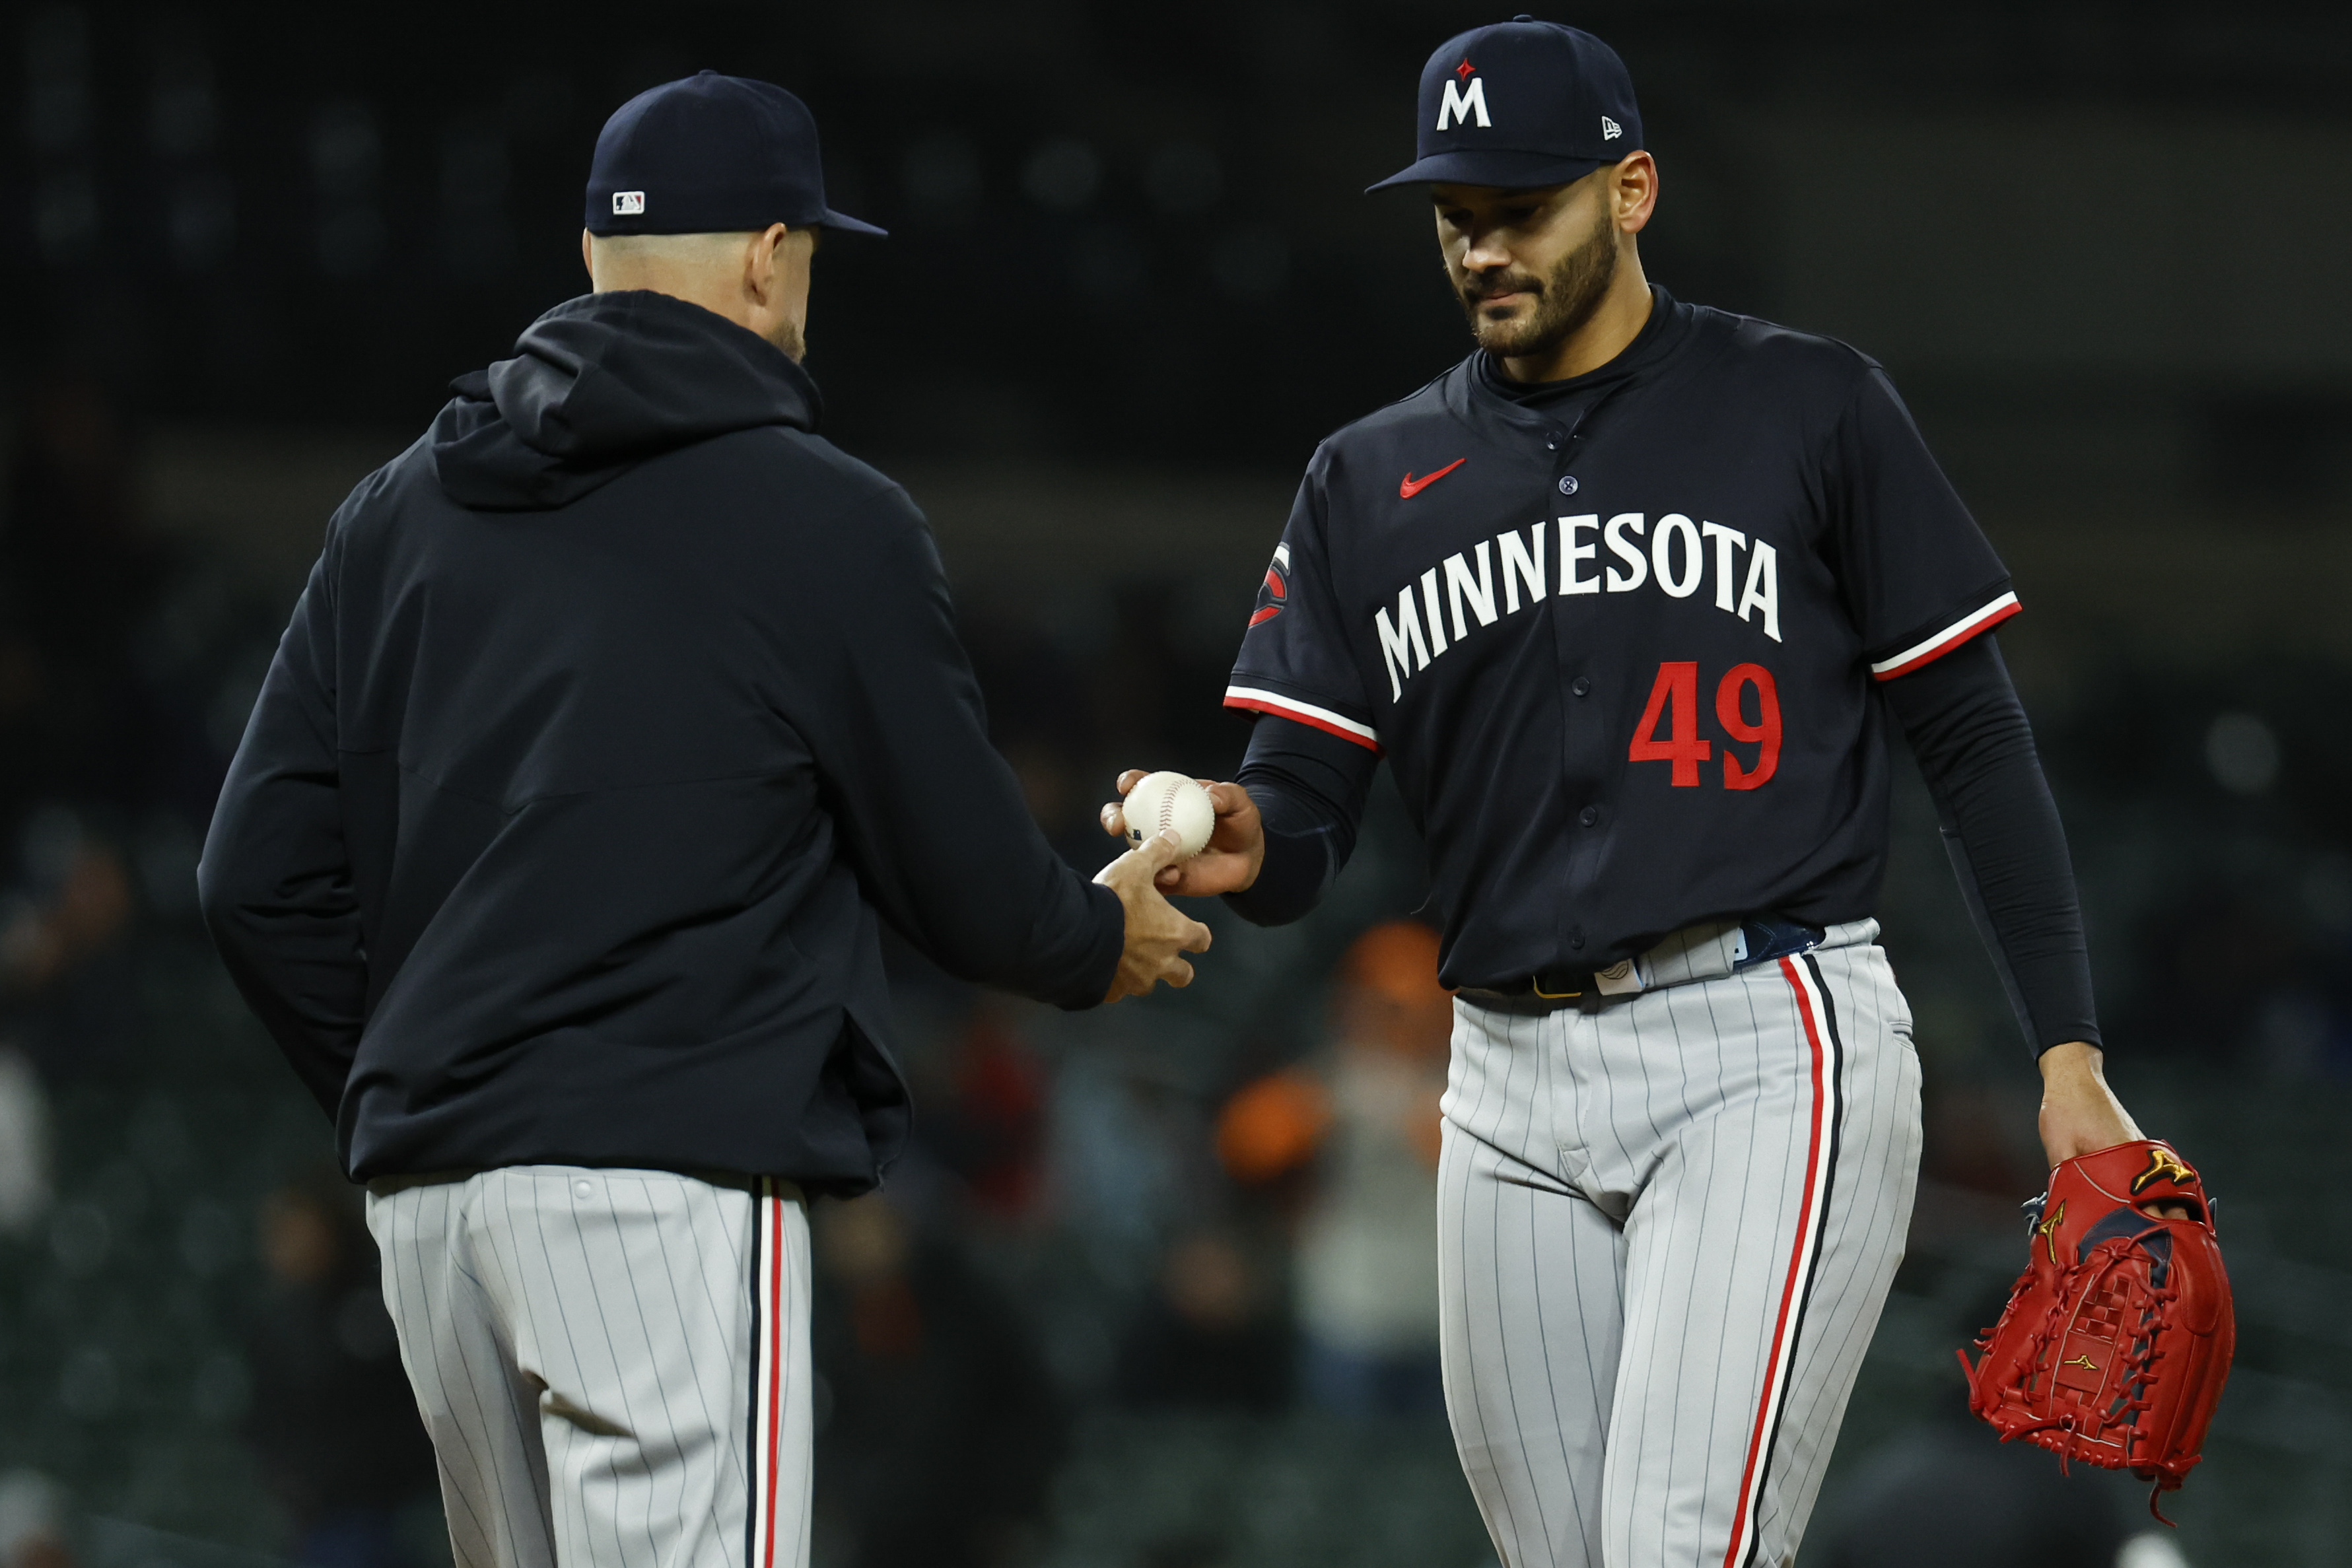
(2115, 1341)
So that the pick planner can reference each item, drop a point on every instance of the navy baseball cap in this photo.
(710, 155)
(1521, 104)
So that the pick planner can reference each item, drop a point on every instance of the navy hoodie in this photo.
(616, 710)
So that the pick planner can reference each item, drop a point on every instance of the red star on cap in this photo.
(1464, 69)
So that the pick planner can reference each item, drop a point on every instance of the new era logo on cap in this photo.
(1610, 130)
(628, 203)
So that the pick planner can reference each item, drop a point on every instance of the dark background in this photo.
(1131, 282)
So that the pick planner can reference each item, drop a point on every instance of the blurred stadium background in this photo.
(2103, 249)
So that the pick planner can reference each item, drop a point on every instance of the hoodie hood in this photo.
(598, 385)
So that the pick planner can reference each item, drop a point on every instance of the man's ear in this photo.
(588, 256)
(1633, 192)
(759, 261)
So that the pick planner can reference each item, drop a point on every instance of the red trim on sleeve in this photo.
(1948, 638)
(1328, 724)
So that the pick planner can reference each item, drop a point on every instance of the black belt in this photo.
(1548, 990)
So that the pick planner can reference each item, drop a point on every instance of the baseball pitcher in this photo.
(1628, 599)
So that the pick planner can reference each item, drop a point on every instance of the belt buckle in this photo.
(1535, 983)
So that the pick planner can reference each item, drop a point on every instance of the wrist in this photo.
(2076, 1061)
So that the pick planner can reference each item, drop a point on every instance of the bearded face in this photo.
(1518, 314)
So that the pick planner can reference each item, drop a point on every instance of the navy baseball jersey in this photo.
(1618, 641)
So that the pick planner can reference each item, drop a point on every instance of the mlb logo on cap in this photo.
(730, 156)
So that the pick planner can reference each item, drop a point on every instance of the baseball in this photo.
(1169, 800)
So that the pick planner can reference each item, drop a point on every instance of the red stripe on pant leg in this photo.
(775, 1360)
(1756, 1441)
(751, 1388)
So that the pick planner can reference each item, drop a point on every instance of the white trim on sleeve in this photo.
(1322, 718)
(1936, 645)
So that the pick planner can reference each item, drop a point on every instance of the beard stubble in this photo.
(1565, 300)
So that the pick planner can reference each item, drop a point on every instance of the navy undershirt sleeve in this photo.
(2002, 829)
(1310, 788)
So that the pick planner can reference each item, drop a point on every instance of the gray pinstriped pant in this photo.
(1666, 1228)
(613, 1364)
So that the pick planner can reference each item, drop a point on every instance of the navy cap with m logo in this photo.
(1521, 104)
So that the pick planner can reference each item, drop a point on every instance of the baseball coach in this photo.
(617, 712)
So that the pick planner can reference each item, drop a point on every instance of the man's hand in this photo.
(1237, 844)
(2081, 1115)
(1157, 933)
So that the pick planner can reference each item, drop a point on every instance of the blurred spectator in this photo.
(25, 1185)
(77, 903)
(333, 1424)
(1365, 1114)
(985, 1119)
(66, 966)
(33, 1522)
(1212, 1335)
(939, 1425)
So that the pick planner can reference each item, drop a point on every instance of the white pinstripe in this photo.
(1619, 1198)
(613, 1364)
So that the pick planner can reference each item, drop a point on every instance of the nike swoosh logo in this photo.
(1412, 486)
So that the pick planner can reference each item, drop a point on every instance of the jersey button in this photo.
(1590, 815)
(1568, 484)
(1575, 940)
(1580, 687)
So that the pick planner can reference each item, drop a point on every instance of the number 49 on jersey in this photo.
(1673, 705)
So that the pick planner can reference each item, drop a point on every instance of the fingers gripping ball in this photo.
(2117, 1340)
(1169, 800)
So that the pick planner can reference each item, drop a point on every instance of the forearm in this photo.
(1309, 789)
(1303, 854)
(2001, 829)
(929, 811)
(946, 850)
